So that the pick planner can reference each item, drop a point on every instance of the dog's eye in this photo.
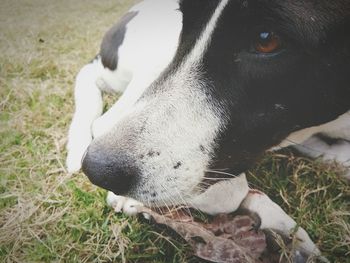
(267, 42)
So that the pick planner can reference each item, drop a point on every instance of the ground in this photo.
(47, 215)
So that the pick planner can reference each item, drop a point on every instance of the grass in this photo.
(47, 215)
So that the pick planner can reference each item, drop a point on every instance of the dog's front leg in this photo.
(88, 106)
(123, 106)
(274, 218)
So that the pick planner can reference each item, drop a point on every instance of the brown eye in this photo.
(267, 42)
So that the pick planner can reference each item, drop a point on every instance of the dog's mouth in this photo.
(212, 177)
(179, 197)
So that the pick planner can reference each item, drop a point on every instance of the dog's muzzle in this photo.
(115, 172)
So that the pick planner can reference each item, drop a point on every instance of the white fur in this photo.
(170, 129)
(223, 197)
(202, 44)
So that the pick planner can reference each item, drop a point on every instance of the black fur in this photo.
(267, 97)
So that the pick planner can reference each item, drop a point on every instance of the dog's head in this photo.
(247, 73)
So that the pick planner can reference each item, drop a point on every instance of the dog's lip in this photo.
(214, 177)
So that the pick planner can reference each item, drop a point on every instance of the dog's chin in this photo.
(161, 201)
(175, 199)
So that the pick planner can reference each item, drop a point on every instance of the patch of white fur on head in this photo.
(179, 130)
(202, 44)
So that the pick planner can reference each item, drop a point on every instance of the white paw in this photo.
(123, 204)
(77, 146)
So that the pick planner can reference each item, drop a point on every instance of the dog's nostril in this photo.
(112, 171)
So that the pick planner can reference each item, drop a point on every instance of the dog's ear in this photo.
(113, 39)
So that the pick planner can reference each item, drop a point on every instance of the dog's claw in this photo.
(122, 204)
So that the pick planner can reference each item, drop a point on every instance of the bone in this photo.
(234, 194)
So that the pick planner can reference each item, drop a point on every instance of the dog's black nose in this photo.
(113, 171)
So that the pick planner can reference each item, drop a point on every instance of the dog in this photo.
(209, 86)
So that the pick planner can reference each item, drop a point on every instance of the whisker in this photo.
(216, 178)
(148, 203)
(220, 172)
(165, 206)
(168, 198)
(185, 205)
(195, 210)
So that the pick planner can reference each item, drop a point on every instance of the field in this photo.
(47, 215)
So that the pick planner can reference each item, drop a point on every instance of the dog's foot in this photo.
(123, 204)
(76, 147)
(274, 218)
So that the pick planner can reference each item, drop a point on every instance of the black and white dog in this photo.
(212, 85)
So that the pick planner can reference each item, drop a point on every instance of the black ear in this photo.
(112, 40)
